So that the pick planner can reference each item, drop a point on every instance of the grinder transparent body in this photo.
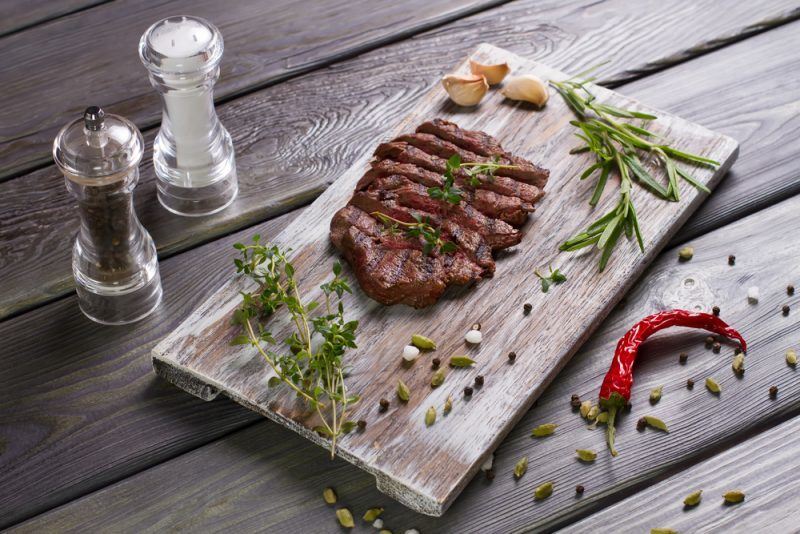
(193, 153)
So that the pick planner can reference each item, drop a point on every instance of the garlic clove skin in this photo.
(465, 90)
(528, 88)
(494, 74)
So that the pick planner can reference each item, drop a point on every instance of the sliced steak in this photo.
(498, 184)
(525, 171)
(474, 141)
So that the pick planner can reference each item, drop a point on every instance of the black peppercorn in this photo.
(731, 260)
(575, 402)
(476, 326)
(384, 405)
(709, 342)
(773, 391)
(785, 310)
(361, 424)
(715, 310)
(579, 489)
(790, 290)
(641, 424)
(716, 347)
(435, 363)
(512, 356)
(526, 308)
(489, 474)
(467, 391)
(479, 380)
(689, 384)
(683, 358)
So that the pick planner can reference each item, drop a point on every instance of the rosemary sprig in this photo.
(452, 194)
(315, 372)
(421, 228)
(617, 147)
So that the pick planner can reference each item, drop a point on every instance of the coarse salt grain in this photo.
(378, 523)
(752, 295)
(474, 337)
(410, 353)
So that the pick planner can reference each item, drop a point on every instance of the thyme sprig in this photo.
(421, 228)
(313, 370)
(617, 147)
(555, 277)
(452, 194)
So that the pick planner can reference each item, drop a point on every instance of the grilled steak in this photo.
(404, 245)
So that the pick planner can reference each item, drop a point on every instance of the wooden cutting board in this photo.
(425, 468)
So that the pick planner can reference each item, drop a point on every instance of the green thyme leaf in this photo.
(555, 277)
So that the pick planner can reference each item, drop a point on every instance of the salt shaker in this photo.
(114, 258)
(193, 153)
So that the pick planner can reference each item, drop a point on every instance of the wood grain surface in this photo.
(266, 478)
(265, 42)
(318, 128)
(18, 15)
(769, 475)
(426, 468)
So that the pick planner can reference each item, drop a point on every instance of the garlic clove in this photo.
(410, 353)
(494, 74)
(465, 90)
(527, 87)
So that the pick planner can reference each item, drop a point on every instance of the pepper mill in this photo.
(114, 258)
(193, 153)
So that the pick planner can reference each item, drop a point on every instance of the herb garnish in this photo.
(315, 373)
(452, 194)
(555, 277)
(421, 228)
(617, 146)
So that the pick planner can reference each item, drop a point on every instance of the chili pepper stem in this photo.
(612, 405)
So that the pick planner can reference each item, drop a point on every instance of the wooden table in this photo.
(91, 440)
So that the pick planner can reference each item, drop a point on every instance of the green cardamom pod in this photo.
(461, 361)
(430, 416)
(738, 364)
(663, 531)
(384, 531)
(521, 467)
(543, 491)
(693, 499)
(733, 496)
(585, 407)
(448, 405)
(791, 357)
(438, 378)
(655, 422)
(586, 455)
(594, 411)
(422, 342)
(544, 430)
(329, 495)
(655, 394)
(686, 253)
(713, 386)
(403, 392)
(372, 514)
(345, 518)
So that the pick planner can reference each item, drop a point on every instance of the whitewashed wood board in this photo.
(426, 468)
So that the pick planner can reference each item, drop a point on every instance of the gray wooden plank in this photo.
(766, 468)
(264, 42)
(408, 465)
(320, 123)
(17, 15)
(266, 479)
(80, 406)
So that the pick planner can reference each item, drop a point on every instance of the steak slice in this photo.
(498, 184)
(525, 171)
(508, 209)
(472, 140)
(390, 272)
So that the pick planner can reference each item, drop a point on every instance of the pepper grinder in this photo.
(193, 153)
(114, 258)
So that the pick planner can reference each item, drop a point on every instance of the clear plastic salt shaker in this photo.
(114, 258)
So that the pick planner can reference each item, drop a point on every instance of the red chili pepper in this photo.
(616, 389)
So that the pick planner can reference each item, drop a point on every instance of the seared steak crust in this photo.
(393, 267)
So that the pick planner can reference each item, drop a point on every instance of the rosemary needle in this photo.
(617, 147)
